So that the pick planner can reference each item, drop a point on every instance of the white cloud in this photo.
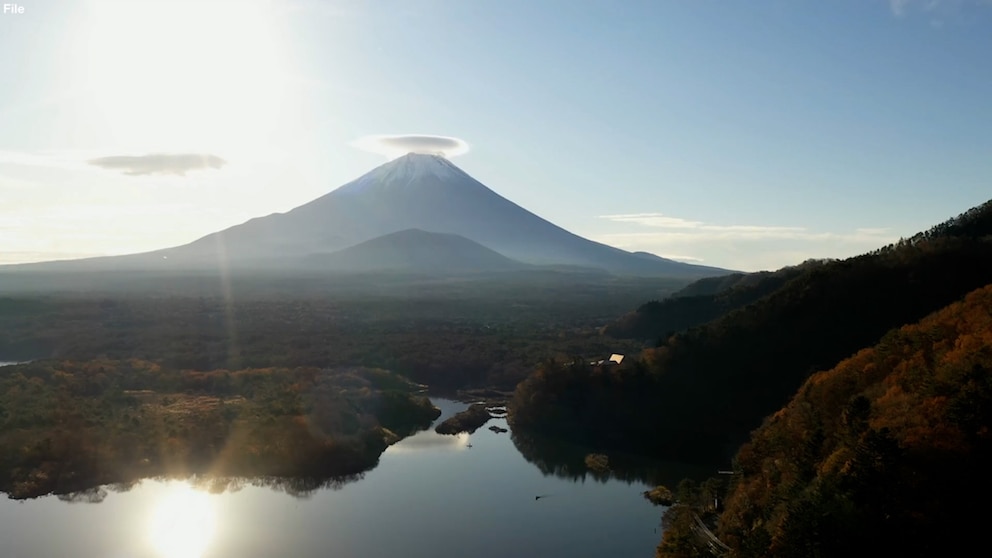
(176, 164)
(159, 163)
(680, 258)
(699, 228)
(634, 239)
(679, 230)
(399, 145)
(898, 7)
(901, 8)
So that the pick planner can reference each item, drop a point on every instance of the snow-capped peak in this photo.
(420, 164)
(410, 168)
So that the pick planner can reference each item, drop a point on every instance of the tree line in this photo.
(67, 426)
(887, 454)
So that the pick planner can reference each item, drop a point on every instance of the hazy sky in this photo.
(741, 134)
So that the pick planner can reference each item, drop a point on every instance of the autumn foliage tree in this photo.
(67, 426)
(887, 454)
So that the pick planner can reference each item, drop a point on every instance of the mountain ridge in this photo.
(417, 250)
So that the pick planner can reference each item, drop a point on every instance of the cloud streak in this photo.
(736, 246)
(898, 7)
(46, 159)
(901, 8)
(677, 257)
(398, 145)
(683, 238)
(177, 164)
(659, 220)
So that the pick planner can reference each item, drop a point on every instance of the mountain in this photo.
(418, 251)
(416, 191)
(711, 297)
(701, 391)
(702, 301)
(883, 455)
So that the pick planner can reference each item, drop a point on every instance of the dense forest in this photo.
(717, 285)
(701, 392)
(448, 335)
(67, 427)
(887, 454)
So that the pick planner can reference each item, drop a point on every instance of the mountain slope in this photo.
(702, 301)
(705, 389)
(884, 455)
(430, 193)
(414, 250)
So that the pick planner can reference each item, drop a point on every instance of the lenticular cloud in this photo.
(159, 163)
(397, 146)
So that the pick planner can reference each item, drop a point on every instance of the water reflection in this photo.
(297, 487)
(435, 498)
(93, 495)
(567, 461)
(182, 523)
(71, 426)
(429, 440)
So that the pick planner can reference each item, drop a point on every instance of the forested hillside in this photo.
(702, 391)
(887, 454)
(489, 331)
(700, 302)
(715, 285)
(70, 426)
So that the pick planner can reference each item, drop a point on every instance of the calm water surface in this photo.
(430, 495)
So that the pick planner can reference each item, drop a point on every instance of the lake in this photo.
(430, 496)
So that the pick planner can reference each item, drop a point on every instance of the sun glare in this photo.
(170, 73)
(182, 523)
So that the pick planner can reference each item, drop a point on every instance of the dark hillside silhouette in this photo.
(884, 455)
(703, 390)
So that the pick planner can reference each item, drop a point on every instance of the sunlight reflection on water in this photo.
(430, 495)
(430, 440)
(181, 524)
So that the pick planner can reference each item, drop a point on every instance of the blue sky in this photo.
(748, 135)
